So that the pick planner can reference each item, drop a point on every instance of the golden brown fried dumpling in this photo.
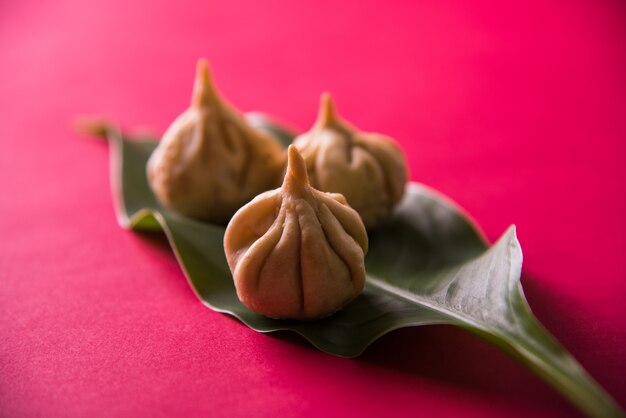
(296, 252)
(368, 169)
(210, 162)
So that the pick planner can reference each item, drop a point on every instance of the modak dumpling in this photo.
(369, 169)
(296, 252)
(210, 162)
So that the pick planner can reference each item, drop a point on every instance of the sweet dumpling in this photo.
(210, 162)
(368, 169)
(296, 252)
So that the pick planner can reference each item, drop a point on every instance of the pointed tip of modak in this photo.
(296, 177)
(203, 89)
(327, 115)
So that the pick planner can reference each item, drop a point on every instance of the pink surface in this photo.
(516, 112)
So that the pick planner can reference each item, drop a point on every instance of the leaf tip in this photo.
(97, 127)
(511, 230)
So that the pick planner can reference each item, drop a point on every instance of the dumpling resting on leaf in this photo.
(296, 252)
(369, 169)
(210, 162)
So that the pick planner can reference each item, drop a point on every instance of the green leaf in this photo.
(429, 265)
(266, 123)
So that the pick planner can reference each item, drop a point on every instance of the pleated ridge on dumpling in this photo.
(210, 162)
(296, 252)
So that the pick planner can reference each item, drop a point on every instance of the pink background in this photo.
(517, 112)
